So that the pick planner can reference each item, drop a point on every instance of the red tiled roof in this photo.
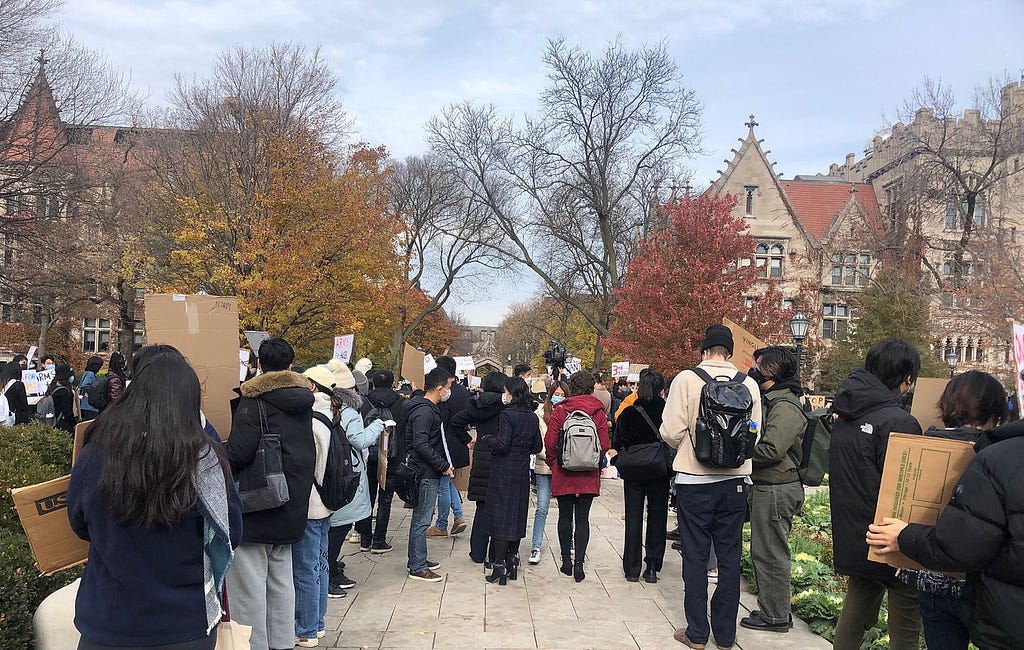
(818, 203)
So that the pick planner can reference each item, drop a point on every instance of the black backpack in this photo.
(381, 413)
(722, 436)
(96, 392)
(341, 475)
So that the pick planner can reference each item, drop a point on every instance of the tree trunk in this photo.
(598, 352)
(44, 332)
(125, 318)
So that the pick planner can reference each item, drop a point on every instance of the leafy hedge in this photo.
(29, 453)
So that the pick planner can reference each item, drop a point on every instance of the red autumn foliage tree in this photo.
(686, 278)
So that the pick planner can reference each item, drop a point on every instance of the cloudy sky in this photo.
(820, 75)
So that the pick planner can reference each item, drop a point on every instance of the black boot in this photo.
(498, 574)
(566, 565)
(577, 572)
(650, 575)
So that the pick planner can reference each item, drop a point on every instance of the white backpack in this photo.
(6, 414)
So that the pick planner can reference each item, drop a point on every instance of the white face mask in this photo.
(446, 396)
(506, 399)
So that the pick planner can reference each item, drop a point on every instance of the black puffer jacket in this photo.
(868, 412)
(288, 410)
(482, 411)
(981, 531)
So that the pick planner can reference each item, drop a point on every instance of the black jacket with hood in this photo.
(981, 532)
(482, 411)
(868, 412)
(387, 398)
(457, 438)
(288, 408)
(423, 437)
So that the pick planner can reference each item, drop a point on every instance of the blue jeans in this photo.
(309, 572)
(540, 518)
(946, 621)
(712, 513)
(447, 499)
(421, 516)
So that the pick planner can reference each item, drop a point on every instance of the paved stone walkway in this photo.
(543, 609)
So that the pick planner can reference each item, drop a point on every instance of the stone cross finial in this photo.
(751, 124)
(41, 59)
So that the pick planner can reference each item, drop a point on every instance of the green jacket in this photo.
(783, 425)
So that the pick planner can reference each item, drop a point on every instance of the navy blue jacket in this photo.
(141, 586)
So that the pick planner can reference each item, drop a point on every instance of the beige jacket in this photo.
(541, 466)
(680, 417)
(322, 438)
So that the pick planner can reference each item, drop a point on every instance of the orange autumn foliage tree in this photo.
(687, 277)
(323, 252)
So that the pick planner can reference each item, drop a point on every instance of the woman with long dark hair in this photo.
(482, 412)
(92, 367)
(118, 380)
(637, 425)
(574, 490)
(14, 391)
(508, 490)
(153, 495)
(65, 401)
(556, 394)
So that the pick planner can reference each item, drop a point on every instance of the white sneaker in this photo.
(307, 643)
(534, 556)
(713, 576)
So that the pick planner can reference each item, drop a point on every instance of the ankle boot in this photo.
(577, 572)
(498, 574)
(566, 565)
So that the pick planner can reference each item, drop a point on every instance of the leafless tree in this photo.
(569, 189)
(447, 244)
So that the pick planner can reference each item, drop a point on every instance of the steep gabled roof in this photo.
(818, 203)
(34, 131)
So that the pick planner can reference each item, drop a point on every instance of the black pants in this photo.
(656, 494)
(574, 524)
(480, 545)
(335, 540)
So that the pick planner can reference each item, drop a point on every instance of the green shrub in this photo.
(29, 454)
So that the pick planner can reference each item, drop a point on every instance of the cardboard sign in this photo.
(428, 363)
(461, 480)
(80, 429)
(633, 377)
(42, 509)
(343, 347)
(1018, 357)
(463, 364)
(917, 481)
(743, 346)
(925, 407)
(31, 353)
(205, 330)
(475, 382)
(243, 365)
(816, 401)
(255, 340)
(382, 460)
(620, 369)
(412, 366)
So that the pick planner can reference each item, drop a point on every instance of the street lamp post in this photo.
(798, 325)
(952, 358)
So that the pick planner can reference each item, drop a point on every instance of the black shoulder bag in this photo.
(648, 461)
(262, 484)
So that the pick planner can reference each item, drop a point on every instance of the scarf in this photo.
(217, 551)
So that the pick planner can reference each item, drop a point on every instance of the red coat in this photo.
(575, 483)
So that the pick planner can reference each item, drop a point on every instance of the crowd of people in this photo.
(175, 525)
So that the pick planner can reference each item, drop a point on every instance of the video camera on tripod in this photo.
(556, 356)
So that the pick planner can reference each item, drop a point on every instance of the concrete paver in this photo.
(542, 609)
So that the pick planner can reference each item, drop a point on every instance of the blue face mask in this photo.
(555, 399)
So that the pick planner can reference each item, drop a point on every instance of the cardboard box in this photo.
(205, 330)
(743, 346)
(816, 401)
(917, 481)
(42, 509)
(925, 407)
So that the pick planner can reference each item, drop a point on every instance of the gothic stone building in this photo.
(823, 236)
